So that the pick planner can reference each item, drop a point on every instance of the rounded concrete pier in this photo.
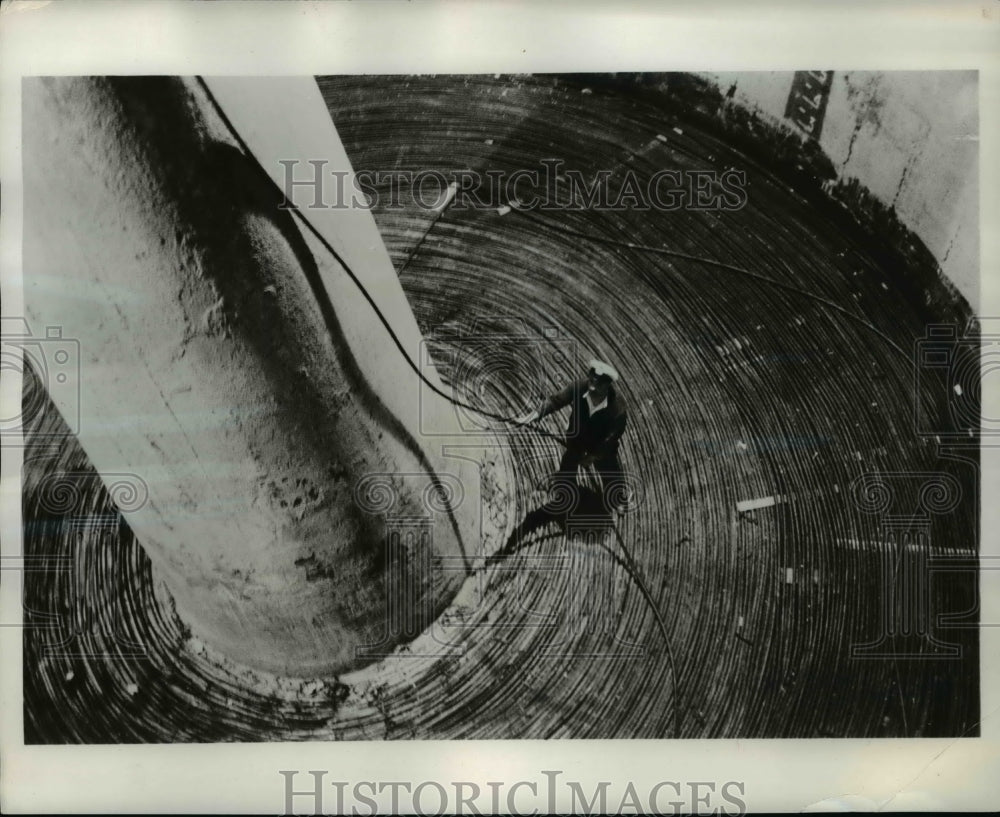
(295, 514)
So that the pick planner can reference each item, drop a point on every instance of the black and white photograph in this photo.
(472, 406)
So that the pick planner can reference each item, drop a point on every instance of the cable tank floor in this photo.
(738, 390)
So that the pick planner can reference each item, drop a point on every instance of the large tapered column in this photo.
(227, 362)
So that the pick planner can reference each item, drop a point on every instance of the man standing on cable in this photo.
(596, 424)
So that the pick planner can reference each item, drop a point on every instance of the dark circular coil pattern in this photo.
(737, 390)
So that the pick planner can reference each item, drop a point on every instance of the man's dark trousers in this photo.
(608, 467)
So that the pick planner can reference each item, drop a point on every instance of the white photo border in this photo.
(293, 38)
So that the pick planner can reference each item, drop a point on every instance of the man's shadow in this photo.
(573, 506)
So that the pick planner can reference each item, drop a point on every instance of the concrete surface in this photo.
(274, 428)
(912, 138)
